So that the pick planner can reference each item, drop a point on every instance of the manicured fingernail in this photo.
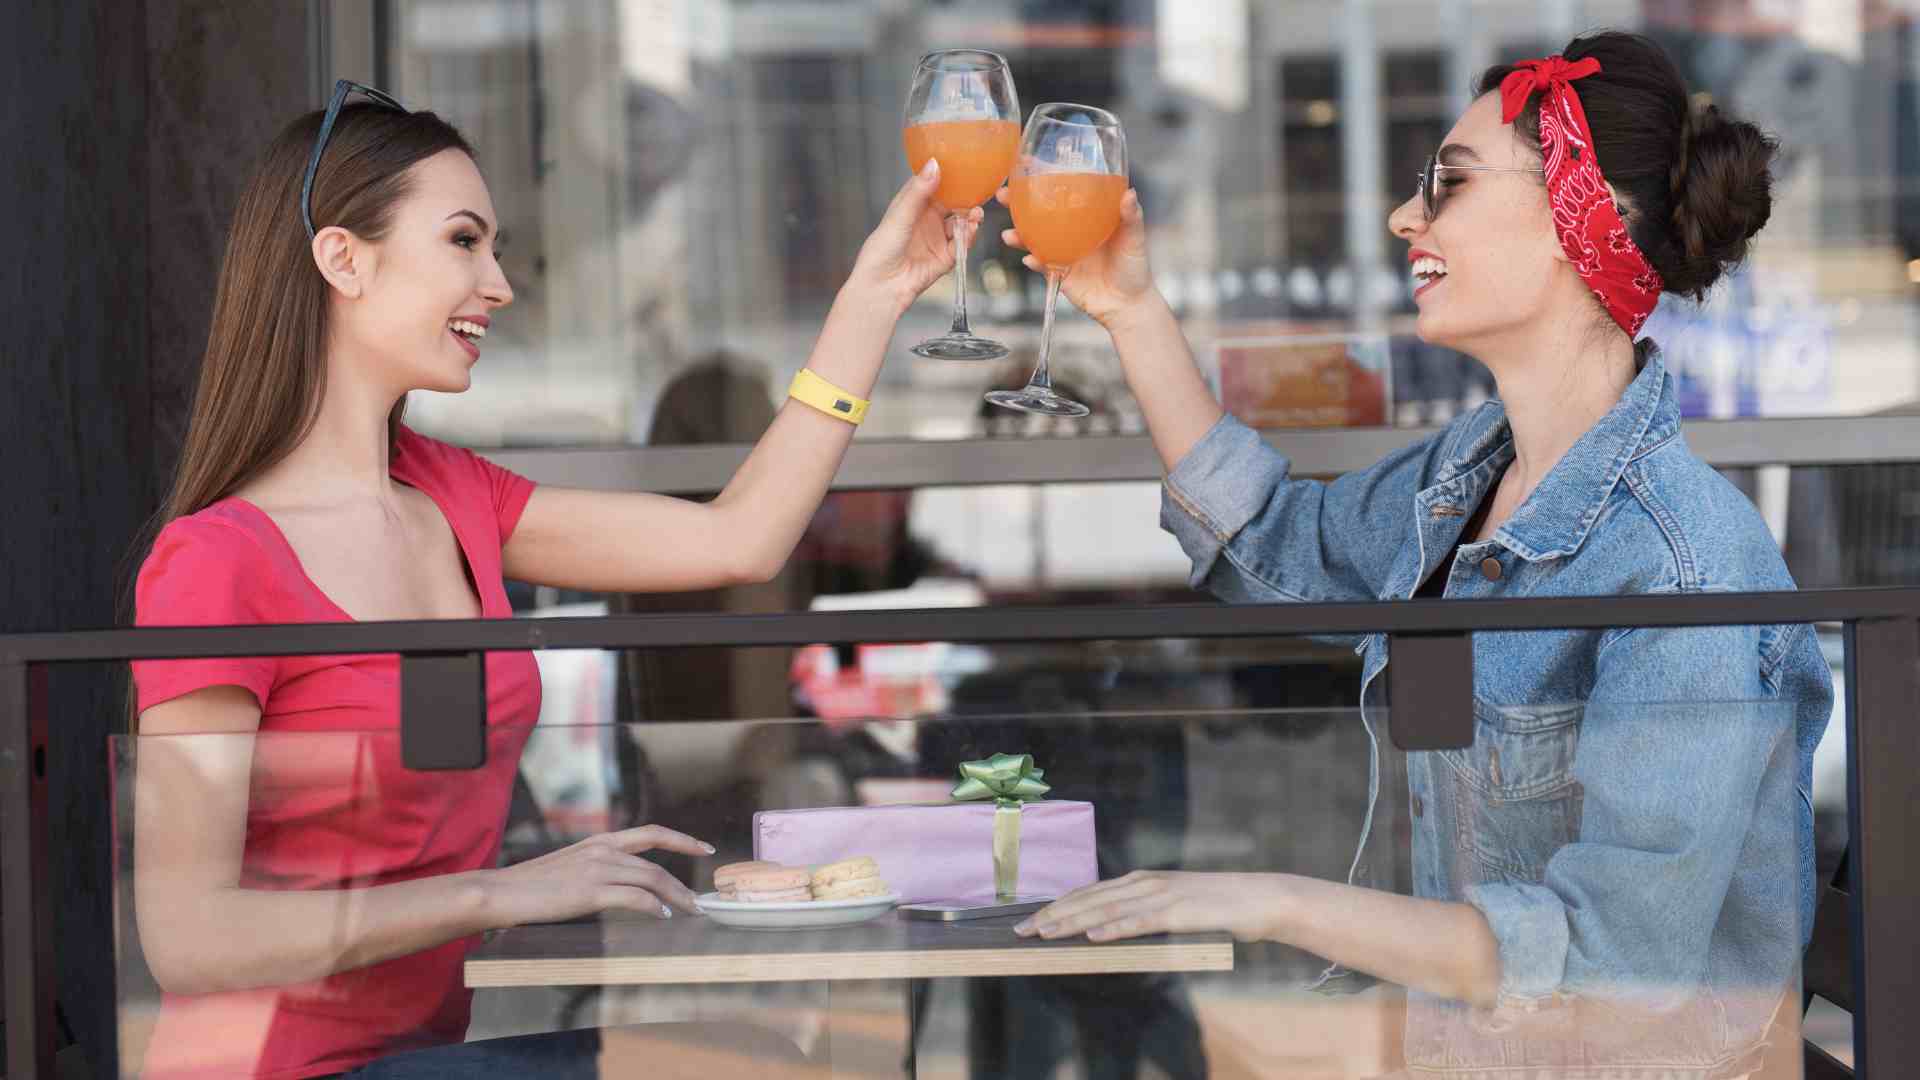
(1024, 928)
(931, 169)
(666, 912)
(708, 848)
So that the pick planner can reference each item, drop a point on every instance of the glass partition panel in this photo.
(1612, 888)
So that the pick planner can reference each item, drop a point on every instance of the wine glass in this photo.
(1065, 196)
(962, 110)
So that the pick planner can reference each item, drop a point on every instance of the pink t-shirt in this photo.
(330, 806)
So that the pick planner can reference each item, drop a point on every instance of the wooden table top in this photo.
(636, 950)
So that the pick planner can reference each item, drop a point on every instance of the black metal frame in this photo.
(443, 663)
(873, 464)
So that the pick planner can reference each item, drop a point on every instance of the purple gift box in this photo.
(940, 851)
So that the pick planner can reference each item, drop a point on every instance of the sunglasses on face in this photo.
(342, 89)
(1432, 182)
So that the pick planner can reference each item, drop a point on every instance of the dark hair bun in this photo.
(1722, 188)
(1696, 184)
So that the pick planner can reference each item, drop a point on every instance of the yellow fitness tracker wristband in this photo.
(811, 389)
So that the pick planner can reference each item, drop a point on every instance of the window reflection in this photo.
(688, 177)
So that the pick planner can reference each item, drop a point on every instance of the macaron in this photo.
(848, 879)
(728, 876)
(771, 884)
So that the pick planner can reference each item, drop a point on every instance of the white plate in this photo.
(794, 914)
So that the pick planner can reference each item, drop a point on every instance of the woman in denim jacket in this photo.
(1603, 888)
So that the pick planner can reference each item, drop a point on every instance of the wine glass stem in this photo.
(1041, 379)
(957, 223)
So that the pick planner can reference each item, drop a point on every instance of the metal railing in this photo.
(917, 463)
(1430, 642)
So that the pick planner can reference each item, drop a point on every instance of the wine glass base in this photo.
(960, 347)
(1044, 402)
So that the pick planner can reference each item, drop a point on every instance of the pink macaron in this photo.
(772, 884)
(727, 878)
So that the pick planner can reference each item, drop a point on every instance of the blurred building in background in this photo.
(684, 176)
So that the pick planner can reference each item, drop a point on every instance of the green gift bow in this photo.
(1009, 780)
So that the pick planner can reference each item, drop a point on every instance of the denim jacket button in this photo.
(1491, 567)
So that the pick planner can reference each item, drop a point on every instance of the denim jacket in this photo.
(1646, 870)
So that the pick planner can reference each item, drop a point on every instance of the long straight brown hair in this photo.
(264, 371)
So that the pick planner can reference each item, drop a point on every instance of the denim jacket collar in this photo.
(1555, 519)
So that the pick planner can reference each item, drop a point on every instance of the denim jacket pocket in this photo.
(1517, 798)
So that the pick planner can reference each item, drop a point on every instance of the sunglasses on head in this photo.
(342, 89)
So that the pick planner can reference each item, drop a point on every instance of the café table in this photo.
(636, 951)
(621, 951)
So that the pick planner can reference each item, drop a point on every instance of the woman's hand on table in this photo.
(1113, 280)
(1164, 902)
(911, 248)
(601, 873)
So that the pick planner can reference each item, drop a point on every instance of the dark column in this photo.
(74, 418)
(128, 127)
(222, 79)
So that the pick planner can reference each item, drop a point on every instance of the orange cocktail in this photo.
(962, 112)
(1064, 217)
(975, 157)
(1065, 195)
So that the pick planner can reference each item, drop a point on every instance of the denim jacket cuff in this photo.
(1530, 923)
(1213, 492)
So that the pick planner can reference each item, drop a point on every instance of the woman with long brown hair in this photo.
(305, 905)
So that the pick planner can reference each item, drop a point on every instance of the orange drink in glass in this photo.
(1065, 195)
(975, 157)
(1064, 217)
(962, 111)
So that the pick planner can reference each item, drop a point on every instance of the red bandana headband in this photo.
(1589, 225)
